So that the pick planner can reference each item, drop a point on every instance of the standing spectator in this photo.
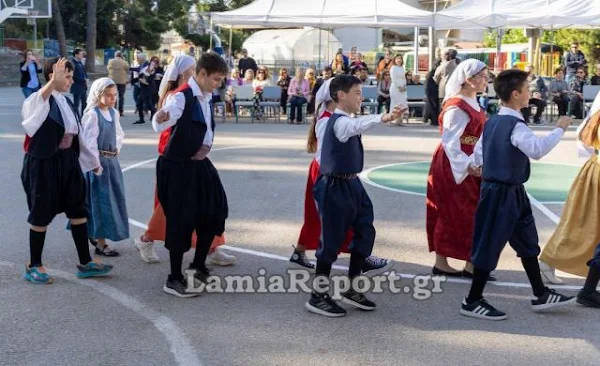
(398, 89)
(339, 65)
(158, 75)
(574, 59)
(247, 63)
(117, 71)
(80, 80)
(139, 61)
(384, 64)
(443, 72)
(432, 102)
(284, 83)
(146, 77)
(596, 78)
(539, 93)
(298, 92)
(383, 91)
(576, 92)
(30, 82)
(559, 89)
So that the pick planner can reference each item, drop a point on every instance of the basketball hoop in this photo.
(32, 17)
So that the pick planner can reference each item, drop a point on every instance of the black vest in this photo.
(340, 157)
(188, 133)
(46, 140)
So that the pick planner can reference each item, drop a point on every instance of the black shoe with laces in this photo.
(178, 287)
(551, 299)
(589, 299)
(323, 304)
(298, 259)
(358, 300)
(139, 122)
(481, 309)
(375, 265)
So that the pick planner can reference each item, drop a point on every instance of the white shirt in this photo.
(523, 138)
(320, 133)
(346, 126)
(35, 111)
(91, 130)
(454, 123)
(175, 104)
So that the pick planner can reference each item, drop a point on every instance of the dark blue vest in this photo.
(337, 157)
(502, 162)
(188, 133)
(45, 142)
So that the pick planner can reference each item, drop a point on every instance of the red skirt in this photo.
(311, 229)
(450, 209)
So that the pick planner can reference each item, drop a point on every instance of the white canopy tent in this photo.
(313, 45)
(486, 14)
(324, 14)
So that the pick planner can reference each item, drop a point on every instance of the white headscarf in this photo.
(179, 64)
(323, 96)
(582, 150)
(96, 91)
(463, 71)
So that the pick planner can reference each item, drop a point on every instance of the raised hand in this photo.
(395, 113)
(564, 122)
(59, 72)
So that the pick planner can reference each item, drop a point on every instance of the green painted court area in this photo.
(548, 183)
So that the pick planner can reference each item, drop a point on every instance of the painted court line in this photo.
(403, 275)
(178, 343)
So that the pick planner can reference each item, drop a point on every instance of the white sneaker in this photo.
(147, 251)
(548, 274)
(220, 258)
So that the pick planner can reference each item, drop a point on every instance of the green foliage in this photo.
(510, 36)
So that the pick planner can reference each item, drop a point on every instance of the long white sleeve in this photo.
(34, 112)
(346, 127)
(89, 157)
(583, 151)
(398, 76)
(454, 124)
(523, 138)
(174, 104)
(320, 133)
(477, 157)
(119, 131)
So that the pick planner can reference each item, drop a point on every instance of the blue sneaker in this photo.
(37, 275)
(93, 269)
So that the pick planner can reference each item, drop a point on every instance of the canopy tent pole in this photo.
(552, 50)
(416, 58)
(230, 41)
(319, 65)
(431, 43)
(210, 31)
(499, 35)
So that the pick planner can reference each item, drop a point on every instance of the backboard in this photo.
(35, 8)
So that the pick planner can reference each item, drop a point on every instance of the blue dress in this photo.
(108, 217)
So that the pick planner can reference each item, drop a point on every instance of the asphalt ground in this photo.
(126, 318)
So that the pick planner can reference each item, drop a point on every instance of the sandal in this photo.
(106, 251)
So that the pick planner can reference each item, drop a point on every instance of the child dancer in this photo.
(342, 200)
(577, 236)
(52, 145)
(106, 196)
(188, 185)
(178, 73)
(311, 229)
(504, 212)
(453, 182)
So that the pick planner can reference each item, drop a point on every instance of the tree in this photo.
(515, 35)
(60, 29)
(589, 41)
(90, 44)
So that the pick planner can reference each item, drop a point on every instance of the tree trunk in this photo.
(60, 29)
(92, 7)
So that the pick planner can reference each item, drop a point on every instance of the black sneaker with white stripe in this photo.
(299, 260)
(358, 300)
(551, 299)
(323, 304)
(481, 309)
(178, 288)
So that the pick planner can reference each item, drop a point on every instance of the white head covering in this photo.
(584, 151)
(463, 71)
(323, 96)
(179, 64)
(96, 91)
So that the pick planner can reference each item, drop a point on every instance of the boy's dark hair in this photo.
(77, 51)
(213, 63)
(557, 70)
(507, 82)
(51, 62)
(343, 83)
(327, 68)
